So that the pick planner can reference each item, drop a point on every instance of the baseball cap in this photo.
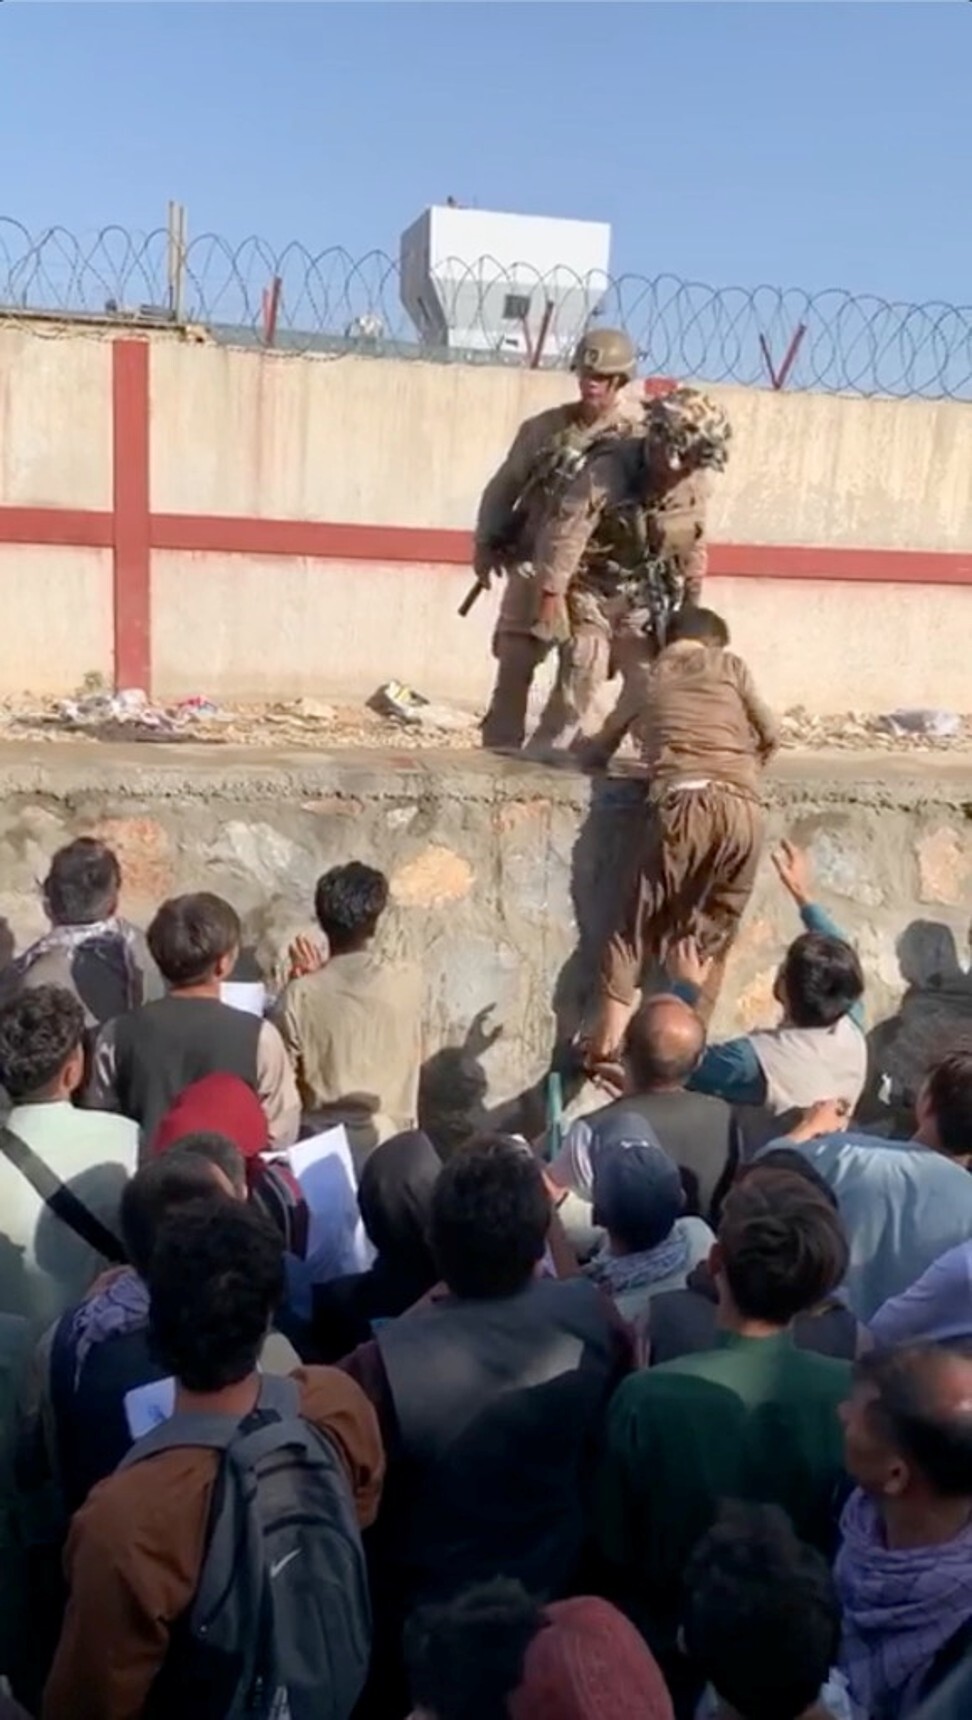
(637, 1187)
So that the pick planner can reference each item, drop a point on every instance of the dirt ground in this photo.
(309, 724)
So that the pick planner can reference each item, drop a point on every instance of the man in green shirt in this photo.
(753, 1419)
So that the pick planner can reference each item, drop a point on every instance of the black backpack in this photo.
(280, 1627)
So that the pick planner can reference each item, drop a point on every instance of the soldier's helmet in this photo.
(606, 352)
(689, 422)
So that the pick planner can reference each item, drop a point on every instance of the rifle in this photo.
(509, 546)
(506, 548)
(472, 596)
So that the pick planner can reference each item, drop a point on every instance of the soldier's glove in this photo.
(483, 562)
(552, 625)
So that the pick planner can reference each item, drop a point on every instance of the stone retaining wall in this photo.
(493, 867)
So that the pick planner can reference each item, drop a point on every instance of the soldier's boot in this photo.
(517, 659)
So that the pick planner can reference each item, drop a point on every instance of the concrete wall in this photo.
(493, 870)
(408, 443)
(55, 451)
(341, 628)
(393, 443)
(243, 435)
(55, 617)
(55, 420)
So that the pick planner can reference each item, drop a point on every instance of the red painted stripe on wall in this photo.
(871, 566)
(75, 528)
(132, 550)
(229, 535)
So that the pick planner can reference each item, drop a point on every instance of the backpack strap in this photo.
(279, 1397)
(59, 1199)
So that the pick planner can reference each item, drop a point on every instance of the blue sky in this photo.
(804, 144)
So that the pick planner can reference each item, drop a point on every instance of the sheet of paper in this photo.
(147, 1407)
(336, 1244)
(331, 1144)
(248, 996)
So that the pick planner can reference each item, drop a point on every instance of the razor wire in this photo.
(299, 300)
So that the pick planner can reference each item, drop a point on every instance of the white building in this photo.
(475, 280)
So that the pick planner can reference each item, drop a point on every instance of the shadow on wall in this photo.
(454, 1083)
(935, 1013)
(604, 858)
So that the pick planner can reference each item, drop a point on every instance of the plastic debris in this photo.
(198, 709)
(401, 704)
(314, 710)
(937, 725)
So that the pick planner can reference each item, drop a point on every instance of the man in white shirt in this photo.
(45, 1265)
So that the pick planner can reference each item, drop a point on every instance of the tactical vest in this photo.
(631, 555)
(640, 547)
(561, 459)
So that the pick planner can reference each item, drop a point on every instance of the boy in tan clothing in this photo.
(705, 736)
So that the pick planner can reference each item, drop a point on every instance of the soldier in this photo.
(619, 557)
(547, 454)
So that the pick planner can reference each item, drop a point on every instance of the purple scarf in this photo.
(619, 1273)
(900, 1608)
(120, 1308)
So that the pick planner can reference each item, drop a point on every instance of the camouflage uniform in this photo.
(625, 549)
(547, 455)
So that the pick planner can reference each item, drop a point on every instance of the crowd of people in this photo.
(668, 1417)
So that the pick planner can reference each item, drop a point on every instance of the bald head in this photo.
(665, 1041)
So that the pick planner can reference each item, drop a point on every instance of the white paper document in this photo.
(248, 996)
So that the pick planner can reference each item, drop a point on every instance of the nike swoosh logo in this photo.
(281, 1564)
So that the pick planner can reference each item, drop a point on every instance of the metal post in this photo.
(271, 310)
(537, 353)
(778, 377)
(176, 259)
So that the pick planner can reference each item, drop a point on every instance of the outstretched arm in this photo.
(793, 868)
(762, 720)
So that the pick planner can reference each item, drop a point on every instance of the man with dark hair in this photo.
(904, 1203)
(683, 1321)
(135, 1550)
(465, 1656)
(219, 1152)
(818, 1051)
(706, 736)
(753, 1419)
(46, 1263)
(144, 1060)
(904, 1571)
(762, 1619)
(665, 1045)
(98, 1352)
(490, 1395)
(351, 1018)
(89, 949)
